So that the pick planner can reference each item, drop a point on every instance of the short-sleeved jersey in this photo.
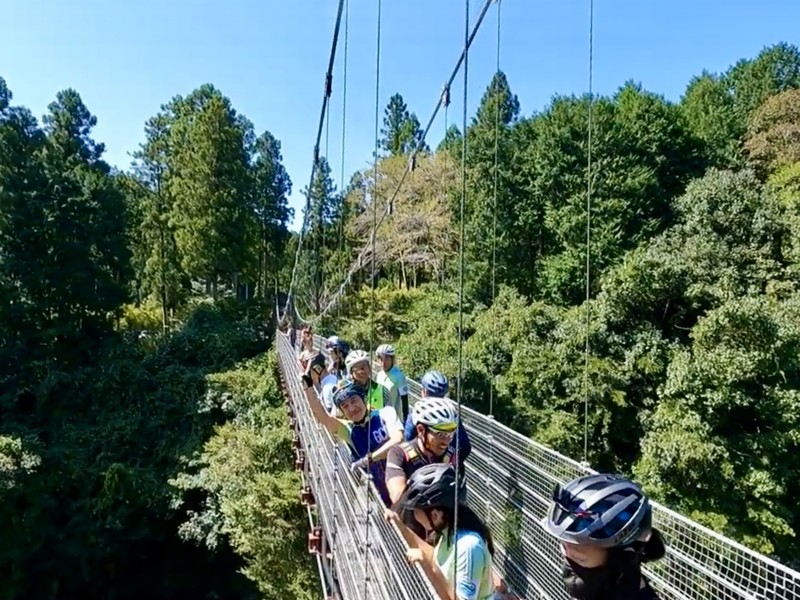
(378, 397)
(395, 383)
(368, 436)
(327, 388)
(471, 570)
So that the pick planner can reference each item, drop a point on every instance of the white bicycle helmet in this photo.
(437, 413)
(355, 357)
(385, 350)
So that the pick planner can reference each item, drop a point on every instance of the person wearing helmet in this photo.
(338, 349)
(604, 524)
(323, 382)
(393, 379)
(306, 350)
(436, 422)
(369, 433)
(359, 371)
(435, 385)
(328, 386)
(432, 496)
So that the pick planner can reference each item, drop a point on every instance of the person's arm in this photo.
(395, 429)
(332, 424)
(395, 475)
(464, 444)
(409, 433)
(402, 389)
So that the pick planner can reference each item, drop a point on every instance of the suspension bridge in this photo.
(510, 477)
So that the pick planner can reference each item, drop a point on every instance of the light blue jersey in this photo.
(472, 570)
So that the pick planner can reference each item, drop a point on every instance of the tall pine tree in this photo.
(271, 205)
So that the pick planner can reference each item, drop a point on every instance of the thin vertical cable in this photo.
(494, 215)
(372, 302)
(343, 189)
(588, 236)
(336, 456)
(462, 204)
(495, 337)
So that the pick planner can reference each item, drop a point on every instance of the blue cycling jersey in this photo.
(369, 436)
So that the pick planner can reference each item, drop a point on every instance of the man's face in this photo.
(360, 372)
(436, 442)
(387, 362)
(354, 409)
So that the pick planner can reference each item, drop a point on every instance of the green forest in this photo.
(144, 449)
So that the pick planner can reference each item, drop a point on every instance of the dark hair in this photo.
(469, 521)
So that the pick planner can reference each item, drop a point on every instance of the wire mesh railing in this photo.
(510, 479)
(373, 568)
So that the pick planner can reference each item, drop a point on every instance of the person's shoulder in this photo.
(395, 455)
(388, 414)
(470, 541)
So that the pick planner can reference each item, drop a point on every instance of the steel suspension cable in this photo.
(494, 265)
(336, 456)
(462, 241)
(372, 302)
(342, 191)
(358, 263)
(315, 163)
(588, 236)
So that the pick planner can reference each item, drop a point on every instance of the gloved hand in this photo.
(359, 467)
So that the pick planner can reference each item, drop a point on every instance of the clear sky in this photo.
(126, 58)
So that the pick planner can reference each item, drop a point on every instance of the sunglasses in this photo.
(442, 435)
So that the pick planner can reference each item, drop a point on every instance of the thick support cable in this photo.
(588, 238)
(358, 263)
(462, 205)
(325, 99)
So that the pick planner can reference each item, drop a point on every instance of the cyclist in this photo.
(323, 382)
(338, 350)
(369, 433)
(431, 494)
(328, 386)
(315, 367)
(435, 385)
(359, 371)
(436, 421)
(392, 378)
(306, 347)
(604, 524)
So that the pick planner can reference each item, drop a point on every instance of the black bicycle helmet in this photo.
(608, 511)
(432, 486)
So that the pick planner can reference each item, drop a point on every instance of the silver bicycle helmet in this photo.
(603, 510)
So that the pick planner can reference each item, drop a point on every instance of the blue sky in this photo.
(127, 58)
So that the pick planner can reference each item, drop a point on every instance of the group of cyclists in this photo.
(416, 457)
